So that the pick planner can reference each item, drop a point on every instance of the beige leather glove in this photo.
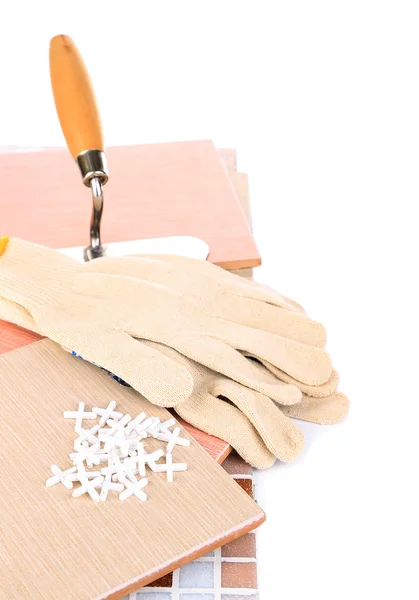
(103, 317)
(259, 430)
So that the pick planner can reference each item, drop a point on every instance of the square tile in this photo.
(197, 575)
(238, 575)
(165, 581)
(243, 547)
(246, 484)
(235, 465)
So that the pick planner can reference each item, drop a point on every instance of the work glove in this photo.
(105, 318)
(321, 391)
(319, 404)
(233, 298)
(249, 421)
(239, 300)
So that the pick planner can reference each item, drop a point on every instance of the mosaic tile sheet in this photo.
(227, 573)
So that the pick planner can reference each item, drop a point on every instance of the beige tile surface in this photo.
(55, 546)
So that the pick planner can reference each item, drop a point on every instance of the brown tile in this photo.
(238, 575)
(235, 465)
(165, 581)
(246, 484)
(244, 546)
(217, 448)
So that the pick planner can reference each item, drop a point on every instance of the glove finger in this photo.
(160, 379)
(179, 271)
(221, 358)
(324, 411)
(281, 436)
(305, 363)
(264, 293)
(225, 421)
(266, 317)
(236, 307)
(233, 282)
(14, 313)
(316, 391)
(229, 281)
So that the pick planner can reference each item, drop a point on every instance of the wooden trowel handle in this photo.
(74, 97)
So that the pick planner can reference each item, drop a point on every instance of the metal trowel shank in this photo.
(80, 122)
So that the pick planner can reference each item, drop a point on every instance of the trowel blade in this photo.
(188, 246)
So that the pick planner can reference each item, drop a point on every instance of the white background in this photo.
(321, 100)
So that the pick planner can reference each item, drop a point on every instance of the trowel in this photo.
(80, 123)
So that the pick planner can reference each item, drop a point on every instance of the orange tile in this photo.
(238, 575)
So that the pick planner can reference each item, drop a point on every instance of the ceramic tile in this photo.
(197, 575)
(235, 465)
(238, 575)
(246, 484)
(244, 546)
(165, 581)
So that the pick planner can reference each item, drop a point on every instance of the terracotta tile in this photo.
(244, 546)
(238, 575)
(235, 465)
(165, 581)
(217, 448)
(246, 484)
